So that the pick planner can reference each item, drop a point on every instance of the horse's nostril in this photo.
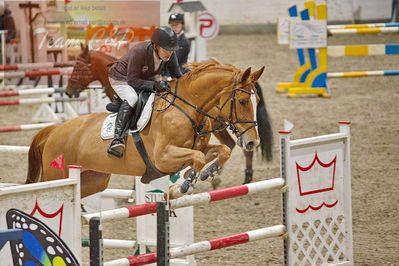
(250, 145)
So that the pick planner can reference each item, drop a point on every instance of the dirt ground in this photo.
(370, 103)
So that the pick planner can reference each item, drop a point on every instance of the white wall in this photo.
(233, 12)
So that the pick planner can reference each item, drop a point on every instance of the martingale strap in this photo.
(151, 173)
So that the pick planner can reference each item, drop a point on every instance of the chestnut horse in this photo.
(177, 135)
(92, 66)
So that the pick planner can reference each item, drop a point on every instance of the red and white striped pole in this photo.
(189, 200)
(39, 73)
(35, 66)
(217, 243)
(40, 100)
(30, 92)
(24, 127)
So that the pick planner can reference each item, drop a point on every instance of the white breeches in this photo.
(124, 91)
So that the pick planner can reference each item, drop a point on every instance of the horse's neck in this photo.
(205, 90)
(99, 69)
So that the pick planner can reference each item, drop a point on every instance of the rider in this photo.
(139, 70)
(176, 22)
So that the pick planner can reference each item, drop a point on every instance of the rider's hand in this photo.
(161, 86)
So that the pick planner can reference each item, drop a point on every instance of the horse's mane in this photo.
(210, 65)
(104, 55)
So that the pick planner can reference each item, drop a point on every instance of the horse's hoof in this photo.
(247, 180)
(248, 176)
(209, 171)
(185, 186)
(204, 175)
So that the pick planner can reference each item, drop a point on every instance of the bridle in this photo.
(223, 125)
(86, 66)
(233, 109)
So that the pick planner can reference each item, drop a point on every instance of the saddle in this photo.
(140, 118)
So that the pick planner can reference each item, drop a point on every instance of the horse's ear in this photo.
(256, 75)
(246, 74)
(85, 49)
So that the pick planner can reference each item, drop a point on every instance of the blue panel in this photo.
(301, 57)
(320, 81)
(293, 11)
(391, 72)
(393, 24)
(305, 14)
(392, 49)
(305, 74)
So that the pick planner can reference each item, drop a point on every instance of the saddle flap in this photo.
(108, 127)
(146, 113)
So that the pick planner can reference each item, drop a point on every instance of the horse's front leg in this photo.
(174, 158)
(249, 155)
(220, 152)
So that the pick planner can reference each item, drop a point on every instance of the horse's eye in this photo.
(242, 102)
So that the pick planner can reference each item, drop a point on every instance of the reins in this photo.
(223, 125)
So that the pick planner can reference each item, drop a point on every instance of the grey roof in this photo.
(191, 6)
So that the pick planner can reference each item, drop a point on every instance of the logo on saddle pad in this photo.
(108, 127)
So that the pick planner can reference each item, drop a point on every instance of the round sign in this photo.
(208, 26)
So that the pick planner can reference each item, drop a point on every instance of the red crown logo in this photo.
(53, 220)
(316, 177)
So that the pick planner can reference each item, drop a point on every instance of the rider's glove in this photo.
(160, 86)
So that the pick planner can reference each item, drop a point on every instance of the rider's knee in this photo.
(131, 99)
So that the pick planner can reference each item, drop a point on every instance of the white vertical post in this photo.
(3, 46)
(284, 155)
(74, 173)
(344, 127)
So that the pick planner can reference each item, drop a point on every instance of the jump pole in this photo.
(189, 200)
(35, 66)
(14, 149)
(40, 101)
(32, 74)
(213, 244)
(31, 92)
(24, 127)
(359, 26)
(364, 31)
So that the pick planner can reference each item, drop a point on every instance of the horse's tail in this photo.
(264, 126)
(35, 164)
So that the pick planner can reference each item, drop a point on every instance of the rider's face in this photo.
(177, 27)
(164, 54)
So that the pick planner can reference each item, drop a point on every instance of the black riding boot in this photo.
(117, 146)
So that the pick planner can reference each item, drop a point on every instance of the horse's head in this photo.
(81, 75)
(237, 109)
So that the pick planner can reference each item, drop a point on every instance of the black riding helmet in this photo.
(176, 17)
(165, 38)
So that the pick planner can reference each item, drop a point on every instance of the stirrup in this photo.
(115, 153)
(114, 150)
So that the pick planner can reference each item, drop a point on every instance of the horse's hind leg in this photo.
(92, 182)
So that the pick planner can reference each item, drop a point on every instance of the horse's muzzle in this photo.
(68, 94)
(246, 143)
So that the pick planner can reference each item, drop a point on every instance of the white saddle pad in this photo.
(108, 128)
